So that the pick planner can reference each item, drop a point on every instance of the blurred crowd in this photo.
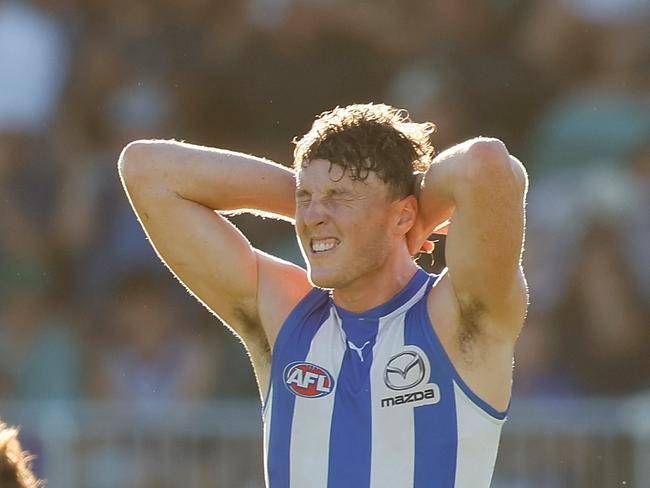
(87, 311)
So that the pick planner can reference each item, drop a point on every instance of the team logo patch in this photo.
(308, 380)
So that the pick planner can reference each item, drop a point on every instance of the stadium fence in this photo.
(549, 443)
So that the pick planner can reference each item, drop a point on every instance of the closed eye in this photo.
(303, 196)
(337, 194)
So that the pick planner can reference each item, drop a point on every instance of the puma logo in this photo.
(359, 350)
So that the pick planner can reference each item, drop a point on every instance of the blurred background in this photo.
(119, 378)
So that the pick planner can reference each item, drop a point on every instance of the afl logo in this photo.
(308, 380)
(404, 371)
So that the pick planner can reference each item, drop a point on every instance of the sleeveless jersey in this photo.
(371, 400)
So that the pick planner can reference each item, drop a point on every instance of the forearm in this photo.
(215, 178)
(436, 202)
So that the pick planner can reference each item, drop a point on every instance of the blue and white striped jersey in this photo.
(372, 400)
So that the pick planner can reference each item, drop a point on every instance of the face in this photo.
(345, 228)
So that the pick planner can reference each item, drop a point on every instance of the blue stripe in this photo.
(292, 344)
(351, 430)
(436, 433)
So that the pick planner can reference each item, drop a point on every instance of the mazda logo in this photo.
(404, 370)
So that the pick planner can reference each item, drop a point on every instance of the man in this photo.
(392, 378)
(15, 470)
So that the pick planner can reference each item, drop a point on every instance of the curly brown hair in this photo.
(370, 137)
(15, 469)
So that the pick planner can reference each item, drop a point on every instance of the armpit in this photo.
(472, 313)
(246, 325)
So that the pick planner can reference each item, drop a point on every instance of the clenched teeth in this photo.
(322, 245)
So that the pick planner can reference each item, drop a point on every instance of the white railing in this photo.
(546, 444)
(555, 443)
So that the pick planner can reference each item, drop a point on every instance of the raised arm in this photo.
(485, 187)
(177, 189)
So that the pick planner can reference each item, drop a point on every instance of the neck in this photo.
(376, 287)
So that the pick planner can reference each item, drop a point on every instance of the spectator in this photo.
(33, 57)
(152, 360)
(15, 464)
(39, 354)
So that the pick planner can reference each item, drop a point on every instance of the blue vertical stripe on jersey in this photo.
(351, 431)
(436, 433)
(292, 344)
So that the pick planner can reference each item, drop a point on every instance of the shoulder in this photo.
(282, 287)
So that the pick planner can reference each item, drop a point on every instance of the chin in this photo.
(322, 281)
(325, 280)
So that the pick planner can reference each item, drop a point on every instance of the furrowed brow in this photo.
(337, 192)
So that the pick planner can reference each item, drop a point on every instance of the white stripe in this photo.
(310, 431)
(478, 442)
(405, 308)
(393, 429)
(266, 417)
(393, 437)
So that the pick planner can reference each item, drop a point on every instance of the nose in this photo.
(314, 214)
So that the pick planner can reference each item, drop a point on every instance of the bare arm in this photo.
(485, 189)
(175, 189)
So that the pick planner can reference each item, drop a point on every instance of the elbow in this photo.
(134, 160)
(488, 153)
(490, 161)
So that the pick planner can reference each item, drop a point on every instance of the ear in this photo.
(407, 213)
